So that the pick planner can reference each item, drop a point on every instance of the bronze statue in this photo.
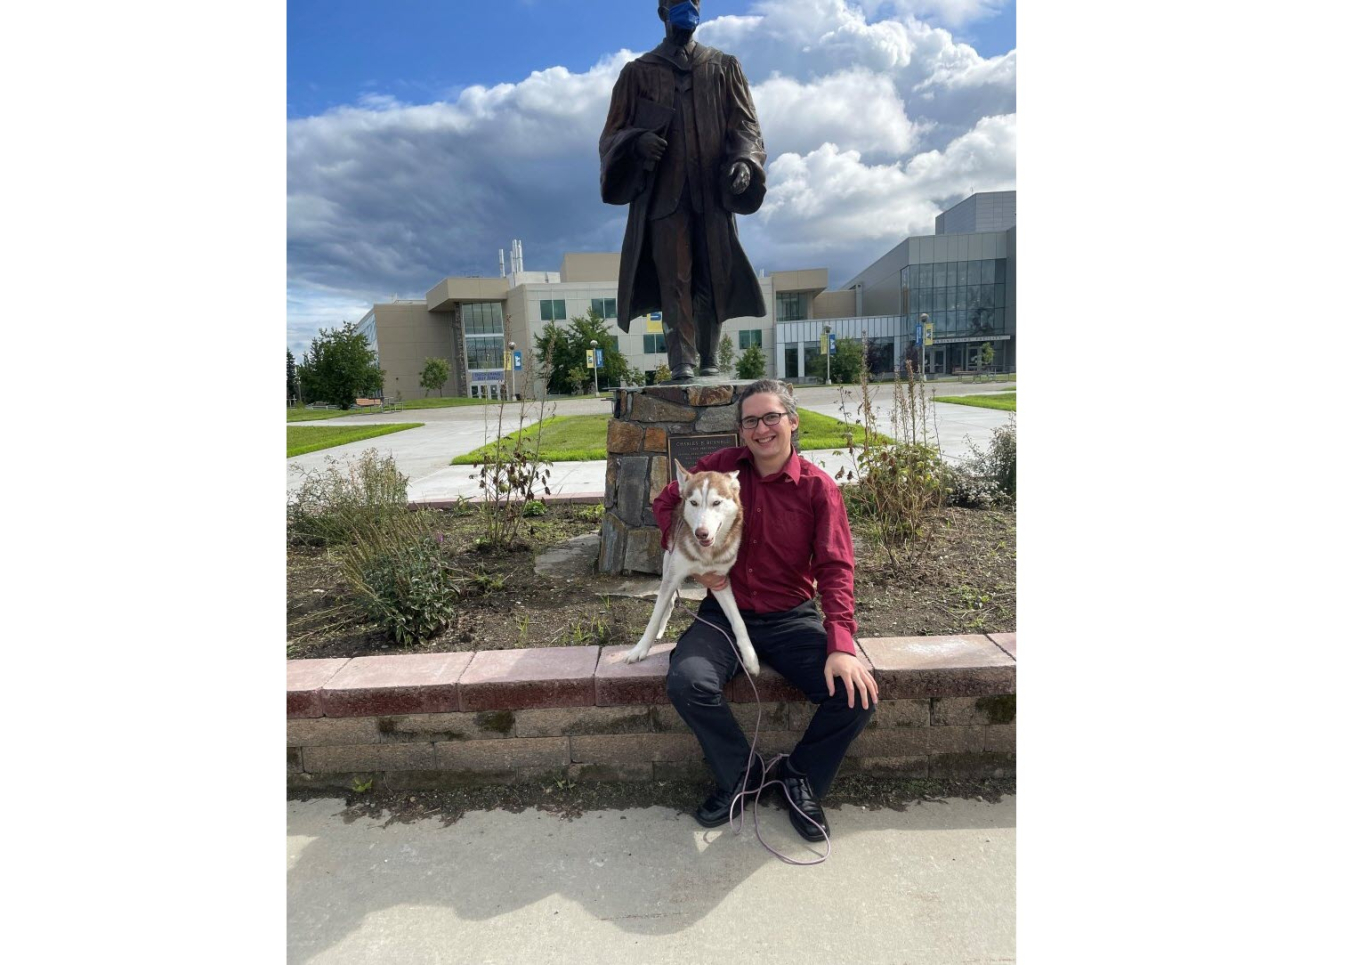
(682, 148)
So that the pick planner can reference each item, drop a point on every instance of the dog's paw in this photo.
(752, 665)
(634, 655)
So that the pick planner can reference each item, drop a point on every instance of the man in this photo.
(682, 148)
(795, 540)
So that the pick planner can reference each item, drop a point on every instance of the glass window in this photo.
(790, 306)
(553, 310)
(789, 362)
(751, 336)
(481, 318)
(1000, 296)
(484, 352)
(1000, 269)
(940, 275)
(925, 276)
(959, 294)
(653, 343)
(904, 301)
(987, 271)
(605, 307)
(998, 320)
(904, 277)
(953, 295)
(986, 296)
(962, 274)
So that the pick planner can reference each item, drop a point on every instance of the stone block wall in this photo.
(637, 465)
(947, 708)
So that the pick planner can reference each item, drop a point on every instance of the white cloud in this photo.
(872, 126)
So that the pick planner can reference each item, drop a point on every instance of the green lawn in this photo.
(1006, 401)
(303, 439)
(581, 438)
(310, 415)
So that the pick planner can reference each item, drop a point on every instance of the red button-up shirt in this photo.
(795, 540)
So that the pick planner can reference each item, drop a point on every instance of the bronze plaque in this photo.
(690, 449)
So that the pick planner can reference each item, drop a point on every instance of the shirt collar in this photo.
(792, 468)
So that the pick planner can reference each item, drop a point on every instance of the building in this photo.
(963, 277)
(963, 280)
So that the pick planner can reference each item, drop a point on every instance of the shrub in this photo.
(901, 482)
(401, 578)
(332, 504)
(989, 476)
(534, 507)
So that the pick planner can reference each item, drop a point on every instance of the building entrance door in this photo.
(937, 359)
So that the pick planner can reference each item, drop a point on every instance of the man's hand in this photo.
(854, 674)
(650, 146)
(713, 581)
(740, 177)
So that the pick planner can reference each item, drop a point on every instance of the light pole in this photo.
(512, 347)
(826, 346)
(596, 364)
(923, 347)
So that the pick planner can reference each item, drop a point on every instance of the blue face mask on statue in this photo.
(683, 16)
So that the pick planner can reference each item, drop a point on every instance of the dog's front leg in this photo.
(728, 601)
(670, 583)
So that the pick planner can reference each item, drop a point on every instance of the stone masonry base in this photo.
(947, 709)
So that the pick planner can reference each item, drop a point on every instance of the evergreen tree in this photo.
(726, 354)
(340, 366)
(751, 363)
(292, 386)
(570, 346)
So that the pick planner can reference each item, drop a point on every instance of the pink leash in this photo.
(743, 792)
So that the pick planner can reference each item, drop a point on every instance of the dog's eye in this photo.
(717, 502)
(693, 502)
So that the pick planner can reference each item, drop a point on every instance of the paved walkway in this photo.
(424, 454)
(932, 884)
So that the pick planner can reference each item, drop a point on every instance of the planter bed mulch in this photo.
(962, 579)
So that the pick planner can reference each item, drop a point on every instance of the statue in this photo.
(682, 148)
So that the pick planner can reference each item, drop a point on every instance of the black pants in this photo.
(793, 643)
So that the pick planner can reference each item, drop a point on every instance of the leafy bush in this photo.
(989, 476)
(534, 507)
(334, 503)
(401, 577)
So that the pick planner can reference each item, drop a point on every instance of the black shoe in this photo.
(798, 791)
(682, 373)
(716, 810)
(710, 370)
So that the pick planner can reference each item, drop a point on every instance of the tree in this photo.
(845, 364)
(339, 366)
(578, 377)
(570, 346)
(751, 363)
(726, 354)
(986, 356)
(662, 373)
(435, 374)
(292, 386)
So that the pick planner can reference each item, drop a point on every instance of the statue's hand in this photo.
(650, 146)
(740, 177)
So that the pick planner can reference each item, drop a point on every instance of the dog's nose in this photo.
(701, 533)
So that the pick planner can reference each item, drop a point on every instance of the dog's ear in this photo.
(735, 482)
(681, 474)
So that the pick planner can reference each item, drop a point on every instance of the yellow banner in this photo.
(653, 327)
(928, 333)
(590, 358)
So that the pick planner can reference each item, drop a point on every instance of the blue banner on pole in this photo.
(517, 363)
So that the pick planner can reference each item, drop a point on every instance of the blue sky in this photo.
(338, 50)
(422, 137)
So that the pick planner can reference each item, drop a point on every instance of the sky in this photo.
(422, 137)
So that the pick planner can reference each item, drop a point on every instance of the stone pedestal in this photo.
(645, 417)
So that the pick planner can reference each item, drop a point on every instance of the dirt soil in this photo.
(571, 799)
(961, 579)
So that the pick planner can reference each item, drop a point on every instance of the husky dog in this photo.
(707, 534)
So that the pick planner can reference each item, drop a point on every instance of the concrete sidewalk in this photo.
(932, 884)
(424, 454)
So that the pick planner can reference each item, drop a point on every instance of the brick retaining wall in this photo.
(947, 708)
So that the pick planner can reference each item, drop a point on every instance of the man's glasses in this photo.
(768, 418)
